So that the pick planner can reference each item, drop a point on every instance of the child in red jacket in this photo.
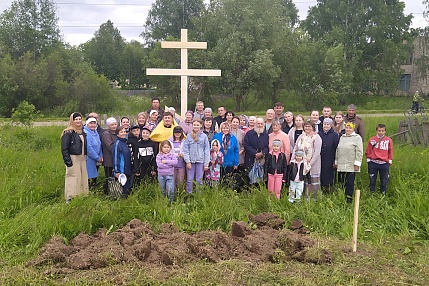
(379, 155)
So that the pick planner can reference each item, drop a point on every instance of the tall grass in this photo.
(33, 209)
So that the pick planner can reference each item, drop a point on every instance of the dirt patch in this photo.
(137, 243)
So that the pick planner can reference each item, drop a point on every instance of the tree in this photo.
(29, 26)
(105, 51)
(244, 38)
(133, 59)
(373, 34)
(167, 17)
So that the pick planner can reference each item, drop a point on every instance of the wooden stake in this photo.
(356, 220)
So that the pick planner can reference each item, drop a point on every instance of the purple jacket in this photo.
(166, 168)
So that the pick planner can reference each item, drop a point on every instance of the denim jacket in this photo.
(197, 152)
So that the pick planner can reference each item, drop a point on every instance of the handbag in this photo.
(114, 188)
(256, 174)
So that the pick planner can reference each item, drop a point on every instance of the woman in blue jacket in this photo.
(229, 149)
(94, 153)
(122, 160)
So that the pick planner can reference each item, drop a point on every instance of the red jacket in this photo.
(380, 149)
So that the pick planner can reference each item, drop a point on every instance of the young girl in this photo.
(179, 170)
(216, 161)
(276, 168)
(296, 187)
(166, 160)
(339, 124)
(196, 153)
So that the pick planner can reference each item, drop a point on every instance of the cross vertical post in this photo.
(183, 72)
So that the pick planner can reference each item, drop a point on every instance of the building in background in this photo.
(415, 75)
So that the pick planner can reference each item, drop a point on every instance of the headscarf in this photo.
(71, 126)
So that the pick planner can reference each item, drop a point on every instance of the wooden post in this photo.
(425, 130)
(356, 220)
(419, 131)
(412, 131)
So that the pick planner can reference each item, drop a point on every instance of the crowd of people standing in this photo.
(298, 157)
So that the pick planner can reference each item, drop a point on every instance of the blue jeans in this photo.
(373, 170)
(167, 186)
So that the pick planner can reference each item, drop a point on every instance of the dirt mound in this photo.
(136, 242)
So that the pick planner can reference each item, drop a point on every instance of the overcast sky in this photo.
(79, 19)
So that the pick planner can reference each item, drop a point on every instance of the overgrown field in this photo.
(393, 230)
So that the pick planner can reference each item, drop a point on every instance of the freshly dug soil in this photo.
(137, 243)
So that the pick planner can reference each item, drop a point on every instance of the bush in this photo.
(24, 114)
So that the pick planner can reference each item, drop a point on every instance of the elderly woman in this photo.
(187, 123)
(348, 159)
(229, 149)
(311, 143)
(73, 149)
(329, 147)
(94, 153)
(107, 141)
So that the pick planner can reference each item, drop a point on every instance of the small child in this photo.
(297, 176)
(379, 155)
(216, 161)
(166, 160)
(179, 170)
(276, 168)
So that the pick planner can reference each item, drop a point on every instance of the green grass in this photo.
(33, 209)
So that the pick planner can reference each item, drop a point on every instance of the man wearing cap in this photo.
(356, 120)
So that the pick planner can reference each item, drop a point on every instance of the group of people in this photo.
(303, 155)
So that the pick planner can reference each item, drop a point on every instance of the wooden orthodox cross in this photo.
(183, 72)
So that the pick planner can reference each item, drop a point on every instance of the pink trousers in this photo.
(275, 184)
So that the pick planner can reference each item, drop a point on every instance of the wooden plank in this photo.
(419, 131)
(412, 131)
(183, 72)
(182, 45)
(425, 130)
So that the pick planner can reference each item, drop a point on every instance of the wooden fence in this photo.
(411, 131)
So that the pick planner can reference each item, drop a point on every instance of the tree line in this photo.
(342, 49)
